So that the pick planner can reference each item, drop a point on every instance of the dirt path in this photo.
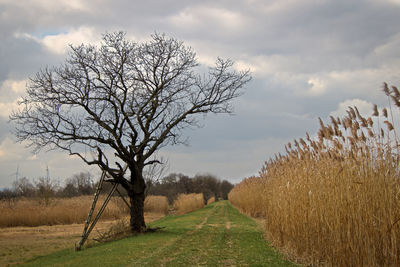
(217, 235)
(224, 237)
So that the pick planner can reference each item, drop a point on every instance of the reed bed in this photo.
(246, 196)
(210, 200)
(334, 200)
(186, 203)
(32, 212)
(156, 204)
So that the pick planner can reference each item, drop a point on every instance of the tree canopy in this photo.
(126, 97)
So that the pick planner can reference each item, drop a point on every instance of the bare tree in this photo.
(127, 98)
(83, 183)
(45, 189)
(24, 187)
(153, 173)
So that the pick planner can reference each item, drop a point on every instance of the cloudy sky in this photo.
(309, 59)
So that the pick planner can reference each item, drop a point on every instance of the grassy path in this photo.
(217, 235)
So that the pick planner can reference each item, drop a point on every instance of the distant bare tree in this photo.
(83, 183)
(153, 173)
(69, 190)
(8, 194)
(24, 187)
(45, 189)
(123, 101)
(225, 188)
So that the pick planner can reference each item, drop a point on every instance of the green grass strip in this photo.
(217, 235)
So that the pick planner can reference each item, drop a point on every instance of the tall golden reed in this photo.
(186, 203)
(210, 200)
(334, 201)
(31, 212)
(246, 196)
(156, 204)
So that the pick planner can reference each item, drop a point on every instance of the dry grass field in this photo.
(28, 228)
(156, 204)
(32, 212)
(54, 227)
(186, 203)
(18, 244)
(334, 200)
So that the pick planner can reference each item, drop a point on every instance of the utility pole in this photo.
(17, 174)
(47, 173)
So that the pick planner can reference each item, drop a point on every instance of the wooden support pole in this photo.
(89, 226)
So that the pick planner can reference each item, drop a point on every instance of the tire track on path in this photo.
(217, 235)
(174, 247)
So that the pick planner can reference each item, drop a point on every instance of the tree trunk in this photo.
(137, 196)
(137, 223)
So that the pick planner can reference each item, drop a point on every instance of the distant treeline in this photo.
(83, 184)
(174, 184)
(78, 185)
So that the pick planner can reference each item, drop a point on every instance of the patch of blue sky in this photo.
(40, 34)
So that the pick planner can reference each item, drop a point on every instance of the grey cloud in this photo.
(351, 46)
(259, 114)
(326, 36)
(22, 57)
(5, 128)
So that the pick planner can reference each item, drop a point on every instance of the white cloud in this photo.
(206, 60)
(201, 16)
(59, 44)
(51, 6)
(15, 86)
(234, 162)
(274, 6)
(32, 166)
(364, 107)
(317, 87)
(10, 151)
(6, 108)
(396, 2)
(388, 49)
(66, 5)
(364, 82)
(10, 90)
(265, 65)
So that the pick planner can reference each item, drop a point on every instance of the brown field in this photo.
(157, 204)
(32, 212)
(334, 200)
(186, 203)
(18, 244)
(28, 228)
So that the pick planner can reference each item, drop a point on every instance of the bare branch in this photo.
(125, 97)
